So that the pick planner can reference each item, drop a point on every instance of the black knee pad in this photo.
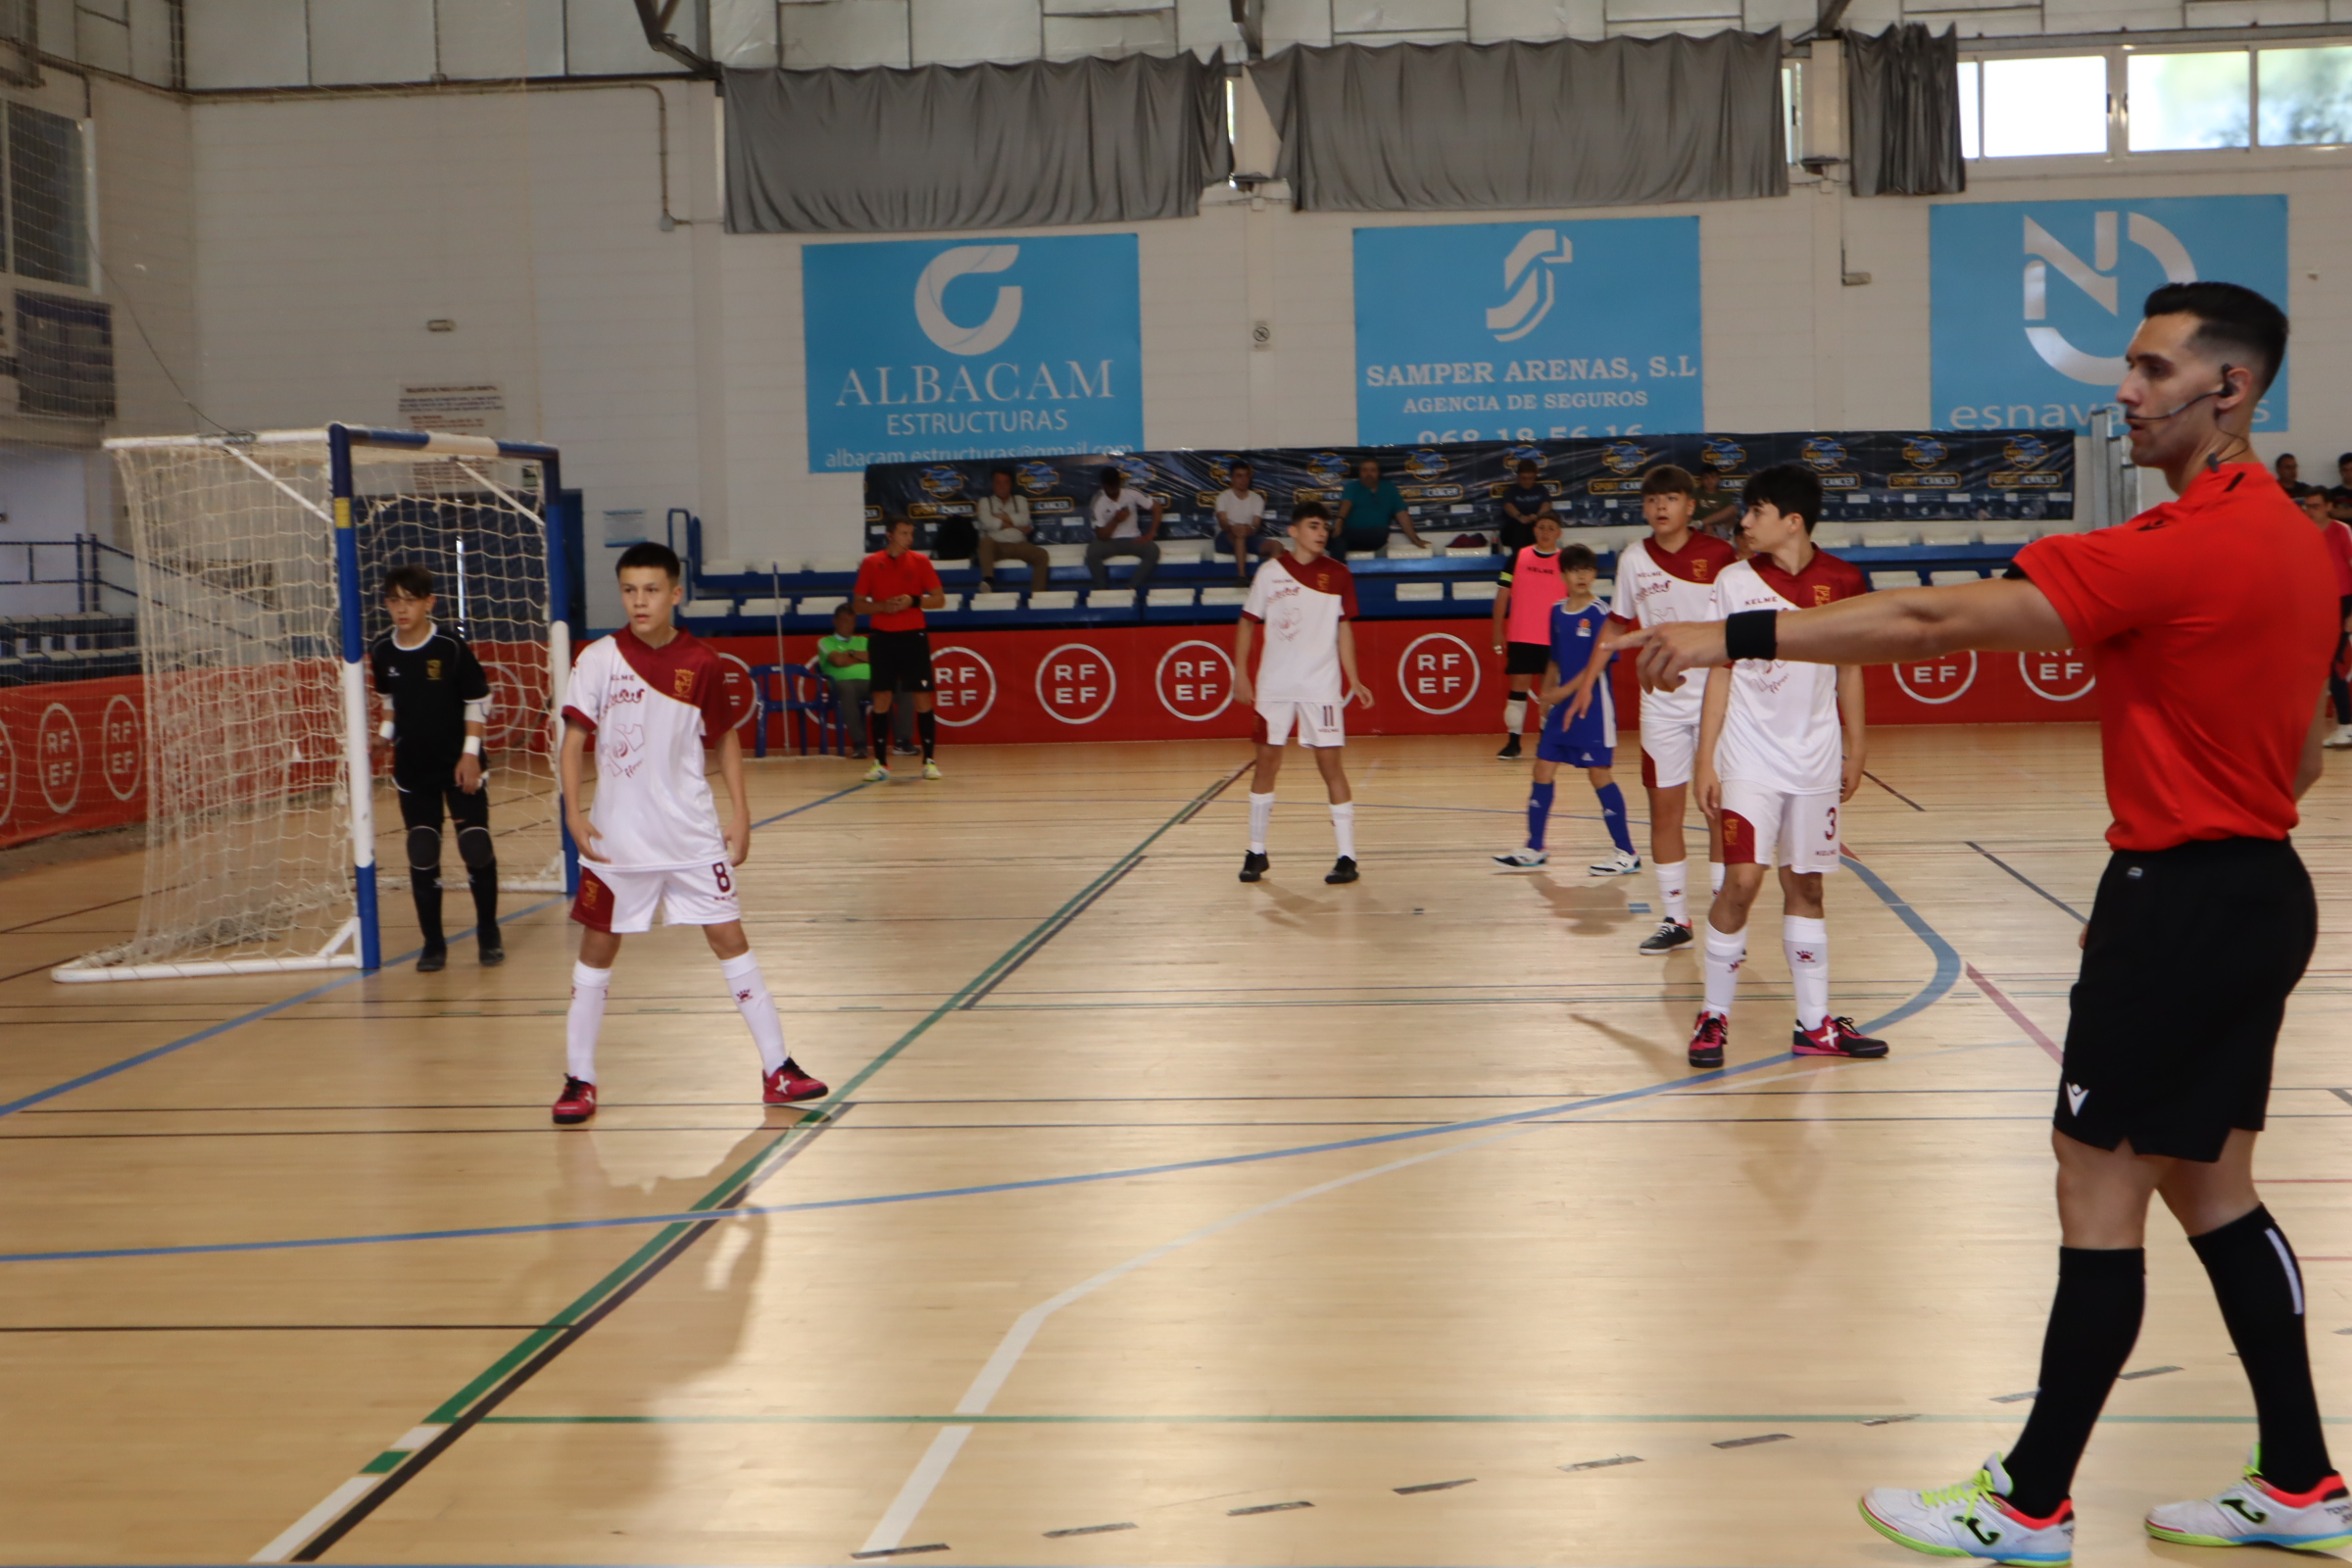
(475, 849)
(424, 849)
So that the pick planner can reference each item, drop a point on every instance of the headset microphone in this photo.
(2221, 391)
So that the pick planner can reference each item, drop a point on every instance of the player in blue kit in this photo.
(1586, 738)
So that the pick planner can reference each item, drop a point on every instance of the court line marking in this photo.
(11, 1107)
(2027, 880)
(1482, 1418)
(1892, 790)
(2001, 1000)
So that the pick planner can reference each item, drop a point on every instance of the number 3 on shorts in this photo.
(718, 874)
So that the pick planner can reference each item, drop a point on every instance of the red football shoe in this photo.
(1836, 1037)
(788, 1084)
(1707, 1039)
(576, 1104)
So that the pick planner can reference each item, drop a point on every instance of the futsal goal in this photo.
(259, 565)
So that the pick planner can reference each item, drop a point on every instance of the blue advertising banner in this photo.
(1528, 333)
(2034, 303)
(937, 350)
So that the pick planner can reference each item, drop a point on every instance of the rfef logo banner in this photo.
(2034, 303)
(1528, 331)
(935, 349)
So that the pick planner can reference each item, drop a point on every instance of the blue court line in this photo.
(99, 1075)
(1948, 969)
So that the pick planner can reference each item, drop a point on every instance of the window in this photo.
(2306, 96)
(1793, 109)
(48, 229)
(2180, 102)
(2035, 108)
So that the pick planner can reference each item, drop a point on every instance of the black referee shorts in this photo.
(2192, 951)
(901, 659)
(1526, 659)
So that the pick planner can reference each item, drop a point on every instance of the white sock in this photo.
(589, 988)
(757, 1007)
(1726, 951)
(1514, 714)
(1343, 828)
(1674, 896)
(1714, 877)
(1807, 943)
(1261, 812)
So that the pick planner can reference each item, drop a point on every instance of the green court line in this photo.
(1816, 1419)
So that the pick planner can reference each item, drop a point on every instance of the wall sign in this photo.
(2034, 303)
(936, 349)
(1522, 332)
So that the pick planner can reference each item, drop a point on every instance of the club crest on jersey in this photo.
(683, 682)
(432, 670)
(590, 890)
(1821, 593)
(1702, 570)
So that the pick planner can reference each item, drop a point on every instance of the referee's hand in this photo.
(1663, 652)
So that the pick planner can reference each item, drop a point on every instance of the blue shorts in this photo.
(1587, 743)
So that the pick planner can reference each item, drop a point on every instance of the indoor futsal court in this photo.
(893, 783)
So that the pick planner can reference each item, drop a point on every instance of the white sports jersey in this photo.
(1654, 588)
(649, 709)
(1781, 729)
(1302, 608)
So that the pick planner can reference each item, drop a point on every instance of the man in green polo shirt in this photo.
(842, 656)
(1368, 505)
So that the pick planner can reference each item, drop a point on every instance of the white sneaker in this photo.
(1972, 1520)
(2253, 1513)
(2341, 739)
(1522, 859)
(1623, 863)
(879, 774)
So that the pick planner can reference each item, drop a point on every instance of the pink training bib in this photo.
(1536, 586)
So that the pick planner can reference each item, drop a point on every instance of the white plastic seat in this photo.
(1055, 598)
(1413, 591)
(995, 602)
(1168, 596)
(1949, 579)
(1228, 596)
(819, 604)
(707, 609)
(1894, 579)
(1475, 590)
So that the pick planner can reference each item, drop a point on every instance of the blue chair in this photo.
(804, 699)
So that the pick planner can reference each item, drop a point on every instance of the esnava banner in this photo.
(1926, 475)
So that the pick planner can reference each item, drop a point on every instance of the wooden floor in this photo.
(1157, 1219)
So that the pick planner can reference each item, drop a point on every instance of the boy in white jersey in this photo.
(1773, 767)
(1667, 577)
(653, 698)
(1304, 600)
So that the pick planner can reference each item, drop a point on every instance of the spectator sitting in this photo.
(1242, 525)
(1003, 519)
(1368, 506)
(2290, 475)
(1117, 533)
(1718, 509)
(842, 658)
(1522, 504)
(2339, 496)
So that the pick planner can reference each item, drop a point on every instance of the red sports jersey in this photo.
(1781, 729)
(649, 709)
(880, 577)
(1301, 607)
(2209, 622)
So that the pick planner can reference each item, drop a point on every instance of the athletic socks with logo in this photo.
(926, 724)
(2259, 1288)
(1539, 812)
(1673, 890)
(750, 991)
(589, 988)
(2094, 1322)
(1612, 813)
(1343, 828)
(1261, 814)
(1807, 943)
(1514, 715)
(1726, 951)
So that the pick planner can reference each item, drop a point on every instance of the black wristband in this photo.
(1753, 634)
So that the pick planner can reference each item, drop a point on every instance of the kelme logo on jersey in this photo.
(940, 480)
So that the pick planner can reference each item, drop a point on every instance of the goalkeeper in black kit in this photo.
(436, 704)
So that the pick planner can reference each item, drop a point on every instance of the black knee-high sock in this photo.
(483, 880)
(2259, 1288)
(880, 726)
(424, 886)
(927, 724)
(2093, 1324)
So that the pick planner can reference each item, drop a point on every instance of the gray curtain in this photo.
(1041, 142)
(1902, 104)
(1428, 127)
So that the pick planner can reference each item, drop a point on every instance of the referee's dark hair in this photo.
(646, 553)
(2234, 323)
(410, 582)
(1790, 489)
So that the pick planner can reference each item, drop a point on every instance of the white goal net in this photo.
(255, 857)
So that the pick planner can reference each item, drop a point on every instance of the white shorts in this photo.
(1765, 826)
(622, 903)
(1667, 748)
(1319, 723)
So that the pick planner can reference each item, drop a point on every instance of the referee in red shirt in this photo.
(2211, 622)
(895, 586)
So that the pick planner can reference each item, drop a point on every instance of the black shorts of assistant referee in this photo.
(2191, 954)
(900, 660)
(420, 805)
(1526, 659)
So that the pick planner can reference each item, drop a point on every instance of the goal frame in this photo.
(358, 943)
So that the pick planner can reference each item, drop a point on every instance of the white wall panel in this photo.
(1205, 25)
(248, 43)
(103, 41)
(1290, 22)
(370, 41)
(151, 42)
(846, 32)
(1143, 33)
(957, 33)
(1398, 15)
(604, 38)
(2254, 13)
(496, 40)
(743, 33)
(1494, 21)
(55, 21)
